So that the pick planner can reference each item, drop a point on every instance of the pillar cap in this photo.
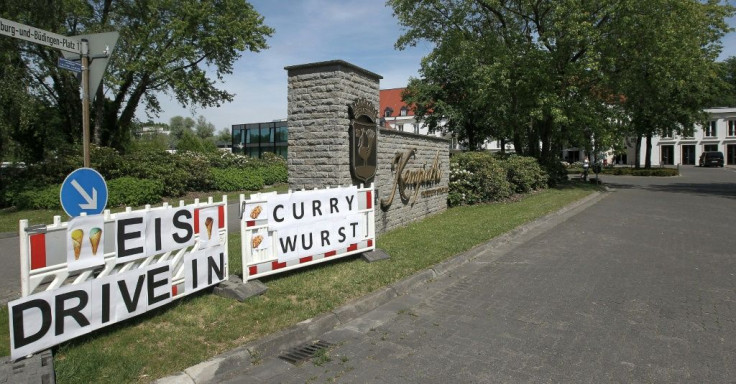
(331, 65)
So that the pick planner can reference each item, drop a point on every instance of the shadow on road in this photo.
(727, 190)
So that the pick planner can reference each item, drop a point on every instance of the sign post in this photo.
(84, 47)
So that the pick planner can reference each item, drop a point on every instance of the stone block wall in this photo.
(318, 99)
(431, 197)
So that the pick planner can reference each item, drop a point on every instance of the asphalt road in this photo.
(639, 287)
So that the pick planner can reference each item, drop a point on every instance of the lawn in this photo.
(199, 327)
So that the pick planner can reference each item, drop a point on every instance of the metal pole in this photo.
(85, 101)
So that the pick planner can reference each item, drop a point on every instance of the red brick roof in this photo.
(391, 98)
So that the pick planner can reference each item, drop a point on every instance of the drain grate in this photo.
(304, 352)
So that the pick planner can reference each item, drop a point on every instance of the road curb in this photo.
(311, 329)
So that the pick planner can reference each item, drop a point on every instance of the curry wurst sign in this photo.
(280, 231)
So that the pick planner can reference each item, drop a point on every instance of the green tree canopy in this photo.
(559, 72)
(181, 48)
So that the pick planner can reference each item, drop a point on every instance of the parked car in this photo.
(712, 158)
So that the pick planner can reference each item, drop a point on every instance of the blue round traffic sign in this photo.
(84, 190)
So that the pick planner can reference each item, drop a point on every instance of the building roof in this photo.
(391, 98)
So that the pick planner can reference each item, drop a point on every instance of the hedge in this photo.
(130, 191)
(236, 179)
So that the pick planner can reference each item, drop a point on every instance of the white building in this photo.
(673, 149)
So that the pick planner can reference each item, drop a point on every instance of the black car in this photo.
(711, 159)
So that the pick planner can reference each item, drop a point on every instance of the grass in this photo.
(9, 217)
(197, 328)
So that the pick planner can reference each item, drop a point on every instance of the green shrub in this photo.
(477, 177)
(107, 161)
(641, 171)
(555, 170)
(44, 198)
(130, 191)
(178, 175)
(224, 160)
(236, 179)
(199, 177)
(524, 173)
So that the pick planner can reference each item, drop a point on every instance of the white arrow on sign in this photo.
(91, 201)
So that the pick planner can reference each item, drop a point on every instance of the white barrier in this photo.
(149, 257)
(297, 229)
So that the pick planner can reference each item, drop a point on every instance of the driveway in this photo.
(639, 287)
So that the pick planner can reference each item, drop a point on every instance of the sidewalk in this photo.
(259, 362)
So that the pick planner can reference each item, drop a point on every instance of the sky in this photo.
(361, 32)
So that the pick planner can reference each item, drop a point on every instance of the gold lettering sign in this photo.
(414, 178)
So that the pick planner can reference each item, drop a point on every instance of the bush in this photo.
(556, 172)
(44, 198)
(178, 173)
(477, 177)
(641, 171)
(236, 179)
(130, 191)
(524, 173)
(107, 161)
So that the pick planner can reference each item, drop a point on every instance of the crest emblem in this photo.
(363, 134)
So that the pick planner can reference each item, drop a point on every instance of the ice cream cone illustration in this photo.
(77, 236)
(94, 238)
(208, 223)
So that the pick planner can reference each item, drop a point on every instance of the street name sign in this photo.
(39, 36)
(83, 191)
(70, 65)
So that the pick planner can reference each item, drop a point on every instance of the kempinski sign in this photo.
(411, 178)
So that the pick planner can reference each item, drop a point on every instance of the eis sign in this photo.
(145, 260)
(287, 231)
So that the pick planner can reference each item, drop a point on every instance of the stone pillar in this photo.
(318, 99)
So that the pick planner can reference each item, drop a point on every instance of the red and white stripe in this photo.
(262, 269)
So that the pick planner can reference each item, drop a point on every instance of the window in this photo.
(710, 130)
(667, 133)
(400, 127)
(256, 139)
(732, 127)
(403, 111)
(387, 112)
(710, 147)
(416, 128)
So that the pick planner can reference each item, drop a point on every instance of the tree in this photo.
(224, 135)
(179, 48)
(567, 71)
(529, 61)
(662, 59)
(203, 128)
(724, 95)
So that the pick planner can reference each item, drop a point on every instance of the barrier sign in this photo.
(293, 230)
(97, 270)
